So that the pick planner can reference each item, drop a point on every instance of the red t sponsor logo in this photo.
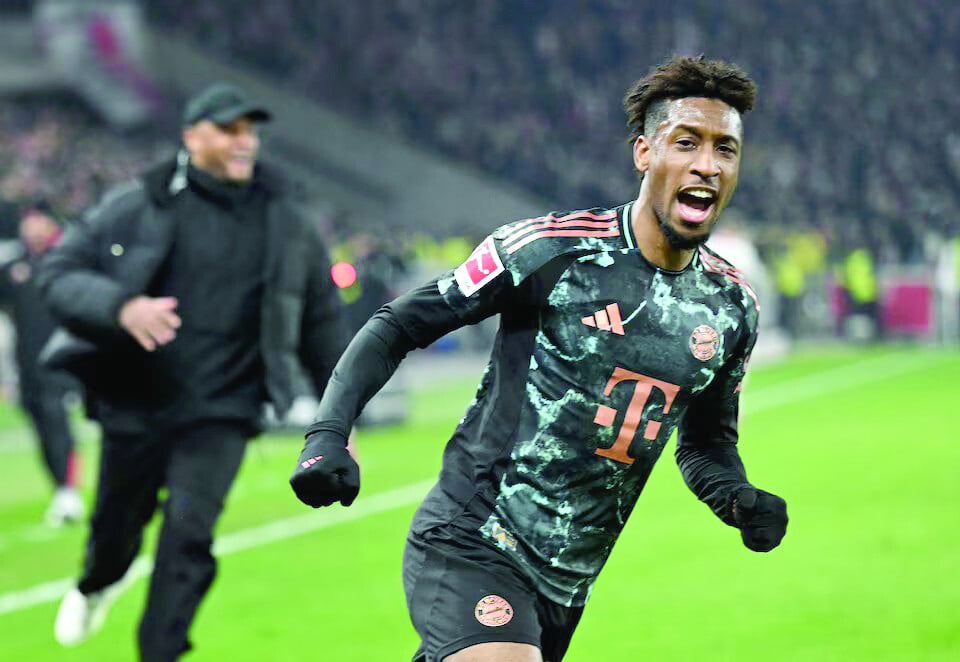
(481, 267)
(631, 420)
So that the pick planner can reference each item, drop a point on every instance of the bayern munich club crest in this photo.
(493, 611)
(704, 342)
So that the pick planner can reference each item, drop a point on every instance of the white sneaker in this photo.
(65, 508)
(81, 616)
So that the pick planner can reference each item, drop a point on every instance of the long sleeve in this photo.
(413, 320)
(707, 440)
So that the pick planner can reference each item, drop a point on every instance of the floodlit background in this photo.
(414, 127)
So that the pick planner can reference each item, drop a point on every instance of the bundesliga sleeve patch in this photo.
(481, 267)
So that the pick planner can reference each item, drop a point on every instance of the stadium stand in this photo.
(524, 91)
(447, 120)
(55, 148)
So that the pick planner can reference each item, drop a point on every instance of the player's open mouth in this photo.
(695, 203)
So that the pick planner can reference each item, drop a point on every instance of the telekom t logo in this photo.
(641, 393)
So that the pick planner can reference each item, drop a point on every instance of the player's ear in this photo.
(641, 154)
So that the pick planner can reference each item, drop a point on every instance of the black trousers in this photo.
(42, 396)
(197, 465)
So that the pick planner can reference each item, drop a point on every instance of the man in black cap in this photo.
(188, 298)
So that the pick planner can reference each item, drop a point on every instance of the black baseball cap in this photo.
(222, 103)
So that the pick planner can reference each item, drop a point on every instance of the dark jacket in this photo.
(116, 251)
(33, 323)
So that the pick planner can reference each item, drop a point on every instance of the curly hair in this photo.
(681, 77)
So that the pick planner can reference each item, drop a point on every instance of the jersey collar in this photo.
(626, 231)
(626, 227)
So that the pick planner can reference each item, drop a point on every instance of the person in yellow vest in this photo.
(860, 279)
(790, 281)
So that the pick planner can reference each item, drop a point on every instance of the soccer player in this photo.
(616, 326)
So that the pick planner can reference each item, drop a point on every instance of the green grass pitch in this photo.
(863, 444)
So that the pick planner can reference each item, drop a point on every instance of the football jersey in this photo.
(600, 355)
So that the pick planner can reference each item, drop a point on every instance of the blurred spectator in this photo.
(859, 281)
(379, 271)
(789, 279)
(54, 148)
(42, 391)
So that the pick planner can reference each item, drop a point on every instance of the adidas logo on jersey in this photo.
(607, 319)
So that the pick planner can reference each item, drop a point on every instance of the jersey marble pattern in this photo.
(599, 358)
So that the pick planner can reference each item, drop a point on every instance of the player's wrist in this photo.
(324, 440)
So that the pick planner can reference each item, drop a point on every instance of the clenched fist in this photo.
(760, 516)
(326, 472)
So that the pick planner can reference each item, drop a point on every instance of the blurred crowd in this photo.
(850, 149)
(56, 150)
(852, 137)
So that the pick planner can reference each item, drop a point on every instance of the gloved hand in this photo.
(760, 516)
(326, 472)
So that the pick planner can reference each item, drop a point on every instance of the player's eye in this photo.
(685, 143)
(727, 149)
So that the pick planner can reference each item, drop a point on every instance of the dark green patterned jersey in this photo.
(599, 357)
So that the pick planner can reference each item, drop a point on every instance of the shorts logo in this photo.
(481, 267)
(704, 342)
(493, 611)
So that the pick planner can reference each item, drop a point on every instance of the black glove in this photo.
(760, 516)
(326, 472)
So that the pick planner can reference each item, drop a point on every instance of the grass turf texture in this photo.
(864, 445)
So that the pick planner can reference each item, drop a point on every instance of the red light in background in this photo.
(344, 274)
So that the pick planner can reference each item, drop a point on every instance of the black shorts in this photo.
(462, 591)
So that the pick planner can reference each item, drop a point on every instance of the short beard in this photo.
(677, 241)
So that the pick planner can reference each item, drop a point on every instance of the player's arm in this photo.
(710, 463)
(325, 472)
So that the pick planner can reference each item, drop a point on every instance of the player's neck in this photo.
(651, 240)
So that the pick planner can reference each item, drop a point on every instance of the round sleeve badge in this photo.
(704, 342)
(493, 611)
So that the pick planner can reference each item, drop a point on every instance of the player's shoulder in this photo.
(732, 281)
(526, 245)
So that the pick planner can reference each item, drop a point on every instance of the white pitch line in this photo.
(294, 526)
(808, 386)
(35, 595)
(833, 380)
(239, 541)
